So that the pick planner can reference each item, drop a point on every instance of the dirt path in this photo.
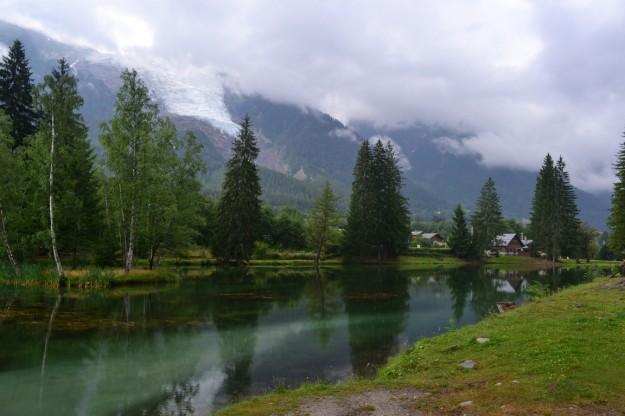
(406, 402)
(378, 402)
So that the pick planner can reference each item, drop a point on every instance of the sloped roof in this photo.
(505, 239)
(429, 236)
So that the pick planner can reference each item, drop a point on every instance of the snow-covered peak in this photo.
(182, 89)
(190, 91)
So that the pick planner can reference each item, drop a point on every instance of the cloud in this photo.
(403, 161)
(345, 134)
(527, 77)
(453, 146)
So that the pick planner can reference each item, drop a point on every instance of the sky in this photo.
(524, 77)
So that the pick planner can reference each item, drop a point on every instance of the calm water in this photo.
(192, 348)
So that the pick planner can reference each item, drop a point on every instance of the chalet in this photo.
(435, 238)
(509, 245)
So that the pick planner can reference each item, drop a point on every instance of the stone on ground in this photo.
(468, 364)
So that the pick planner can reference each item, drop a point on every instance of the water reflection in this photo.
(235, 314)
(191, 348)
(376, 308)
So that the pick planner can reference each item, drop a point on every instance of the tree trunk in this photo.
(7, 244)
(131, 239)
(153, 256)
(55, 251)
(131, 233)
(318, 256)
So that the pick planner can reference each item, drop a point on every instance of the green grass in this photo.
(562, 350)
(593, 264)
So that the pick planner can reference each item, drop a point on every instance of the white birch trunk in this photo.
(131, 238)
(5, 241)
(131, 233)
(55, 251)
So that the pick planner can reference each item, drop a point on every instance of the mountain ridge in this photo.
(300, 148)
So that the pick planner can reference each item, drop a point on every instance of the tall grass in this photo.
(29, 275)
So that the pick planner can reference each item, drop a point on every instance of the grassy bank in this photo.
(172, 269)
(563, 354)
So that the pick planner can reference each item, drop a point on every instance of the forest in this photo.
(143, 198)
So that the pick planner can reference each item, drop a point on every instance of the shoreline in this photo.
(39, 275)
(551, 356)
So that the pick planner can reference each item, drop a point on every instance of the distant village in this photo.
(509, 244)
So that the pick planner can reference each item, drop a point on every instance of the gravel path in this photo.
(371, 403)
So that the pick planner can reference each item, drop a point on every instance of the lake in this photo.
(199, 345)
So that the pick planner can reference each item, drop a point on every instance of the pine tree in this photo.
(359, 220)
(10, 190)
(392, 226)
(378, 223)
(616, 222)
(460, 240)
(72, 188)
(16, 88)
(543, 216)
(568, 212)
(238, 211)
(131, 155)
(487, 221)
(321, 228)
(554, 225)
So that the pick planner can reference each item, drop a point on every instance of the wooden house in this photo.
(509, 245)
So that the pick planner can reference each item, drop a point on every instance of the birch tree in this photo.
(152, 193)
(61, 154)
(128, 142)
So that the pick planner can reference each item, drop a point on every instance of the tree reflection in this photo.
(323, 304)
(235, 314)
(460, 282)
(376, 307)
(483, 287)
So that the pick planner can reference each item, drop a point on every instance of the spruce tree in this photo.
(568, 212)
(616, 222)
(393, 223)
(360, 218)
(16, 88)
(554, 227)
(543, 227)
(378, 223)
(238, 211)
(460, 240)
(487, 221)
(11, 191)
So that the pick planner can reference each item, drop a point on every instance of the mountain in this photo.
(300, 147)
